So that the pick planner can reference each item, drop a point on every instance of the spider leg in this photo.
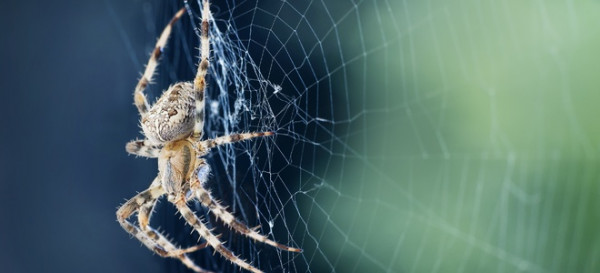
(210, 238)
(142, 148)
(222, 140)
(139, 98)
(133, 205)
(204, 196)
(144, 214)
(145, 209)
(200, 80)
(153, 240)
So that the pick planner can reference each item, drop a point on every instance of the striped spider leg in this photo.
(173, 130)
(143, 204)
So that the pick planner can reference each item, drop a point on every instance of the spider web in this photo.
(411, 136)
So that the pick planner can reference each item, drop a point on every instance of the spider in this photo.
(173, 130)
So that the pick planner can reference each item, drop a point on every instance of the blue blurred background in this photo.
(65, 70)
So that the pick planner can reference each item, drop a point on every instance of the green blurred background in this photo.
(478, 145)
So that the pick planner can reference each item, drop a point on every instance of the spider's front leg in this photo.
(203, 195)
(211, 239)
(144, 214)
(143, 203)
(199, 176)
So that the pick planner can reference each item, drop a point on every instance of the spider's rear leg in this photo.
(203, 195)
(200, 79)
(143, 203)
(138, 96)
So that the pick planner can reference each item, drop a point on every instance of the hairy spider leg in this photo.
(152, 239)
(222, 140)
(145, 209)
(144, 214)
(211, 239)
(200, 80)
(142, 148)
(203, 195)
(139, 98)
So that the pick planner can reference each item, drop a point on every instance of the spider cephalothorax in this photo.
(173, 130)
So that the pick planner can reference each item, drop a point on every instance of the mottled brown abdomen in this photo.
(172, 116)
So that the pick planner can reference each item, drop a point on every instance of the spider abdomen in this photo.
(172, 116)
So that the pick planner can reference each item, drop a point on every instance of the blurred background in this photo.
(412, 136)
